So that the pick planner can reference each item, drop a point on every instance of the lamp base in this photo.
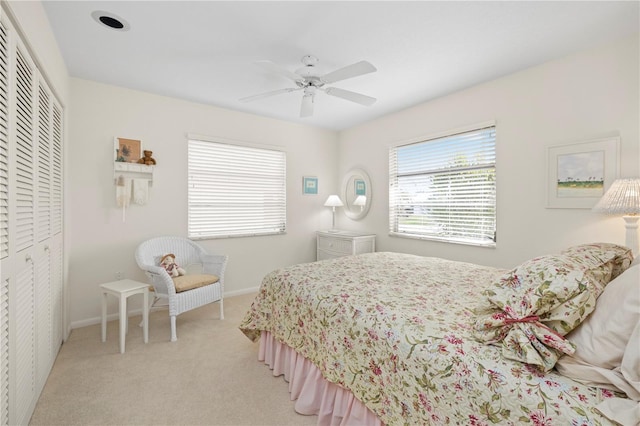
(631, 238)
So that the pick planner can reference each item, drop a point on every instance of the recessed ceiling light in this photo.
(110, 20)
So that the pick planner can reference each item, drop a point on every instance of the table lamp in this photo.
(361, 200)
(333, 201)
(623, 198)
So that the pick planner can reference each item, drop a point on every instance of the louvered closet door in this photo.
(56, 170)
(24, 139)
(4, 355)
(4, 225)
(43, 229)
(31, 228)
(4, 143)
(56, 291)
(23, 362)
(23, 310)
(43, 236)
(56, 249)
(48, 246)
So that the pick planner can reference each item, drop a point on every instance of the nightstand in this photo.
(344, 243)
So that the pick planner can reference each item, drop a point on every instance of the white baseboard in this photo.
(135, 312)
(241, 292)
(110, 317)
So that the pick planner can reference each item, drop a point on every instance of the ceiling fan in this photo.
(309, 80)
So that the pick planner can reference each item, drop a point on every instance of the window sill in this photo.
(488, 244)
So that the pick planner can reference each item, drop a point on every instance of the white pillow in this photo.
(626, 411)
(602, 338)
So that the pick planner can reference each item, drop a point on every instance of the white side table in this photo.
(332, 244)
(122, 290)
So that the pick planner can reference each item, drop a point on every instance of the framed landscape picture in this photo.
(128, 150)
(579, 174)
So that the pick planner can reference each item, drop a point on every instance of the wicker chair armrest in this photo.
(153, 269)
(160, 279)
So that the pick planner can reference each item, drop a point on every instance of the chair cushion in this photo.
(189, 282)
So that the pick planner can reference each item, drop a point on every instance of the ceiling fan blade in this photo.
(350, 96)
(275, 68)
(353, 70)
(306, 109)
(267, 94)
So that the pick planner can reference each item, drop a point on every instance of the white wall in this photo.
(581, 97)
(101, 244)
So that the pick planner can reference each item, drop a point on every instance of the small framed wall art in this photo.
(310, 185)
(360, 187)
(127, 150)
(578, 174)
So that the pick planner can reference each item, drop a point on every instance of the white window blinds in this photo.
(444, 188)
(235, 190)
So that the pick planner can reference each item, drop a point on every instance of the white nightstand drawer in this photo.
(343, 243)
(364, 246)
(338, 245)
(322, 255)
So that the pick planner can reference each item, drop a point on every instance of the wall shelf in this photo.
(133, 171)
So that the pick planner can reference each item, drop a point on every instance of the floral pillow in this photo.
(530, 308)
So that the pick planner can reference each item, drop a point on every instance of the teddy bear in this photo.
(147, 159)
(168, 262)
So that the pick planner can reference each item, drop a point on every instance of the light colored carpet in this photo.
(210, 376)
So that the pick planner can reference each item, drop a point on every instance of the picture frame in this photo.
(127, 150)
(310, 185)
(360, 187)
(578, 174)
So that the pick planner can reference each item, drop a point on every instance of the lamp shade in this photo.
(333, 201)
(622, 198)
(361, 200)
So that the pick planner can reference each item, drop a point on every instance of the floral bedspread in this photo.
(397, 331)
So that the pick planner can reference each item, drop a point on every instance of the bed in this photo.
(391, 338)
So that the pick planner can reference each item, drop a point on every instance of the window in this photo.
(444, 188)
(235, 190)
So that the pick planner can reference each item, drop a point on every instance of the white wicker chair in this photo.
(189, 256)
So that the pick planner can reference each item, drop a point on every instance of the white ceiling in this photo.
(203, 51)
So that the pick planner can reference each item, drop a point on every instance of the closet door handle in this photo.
(28, 258)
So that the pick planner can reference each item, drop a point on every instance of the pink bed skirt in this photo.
(313, 394)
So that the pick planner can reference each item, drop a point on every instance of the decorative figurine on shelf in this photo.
(147, 159)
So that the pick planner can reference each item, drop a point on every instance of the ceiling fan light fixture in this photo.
(306, 108)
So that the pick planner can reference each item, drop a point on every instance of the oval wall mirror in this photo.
(356, 194)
